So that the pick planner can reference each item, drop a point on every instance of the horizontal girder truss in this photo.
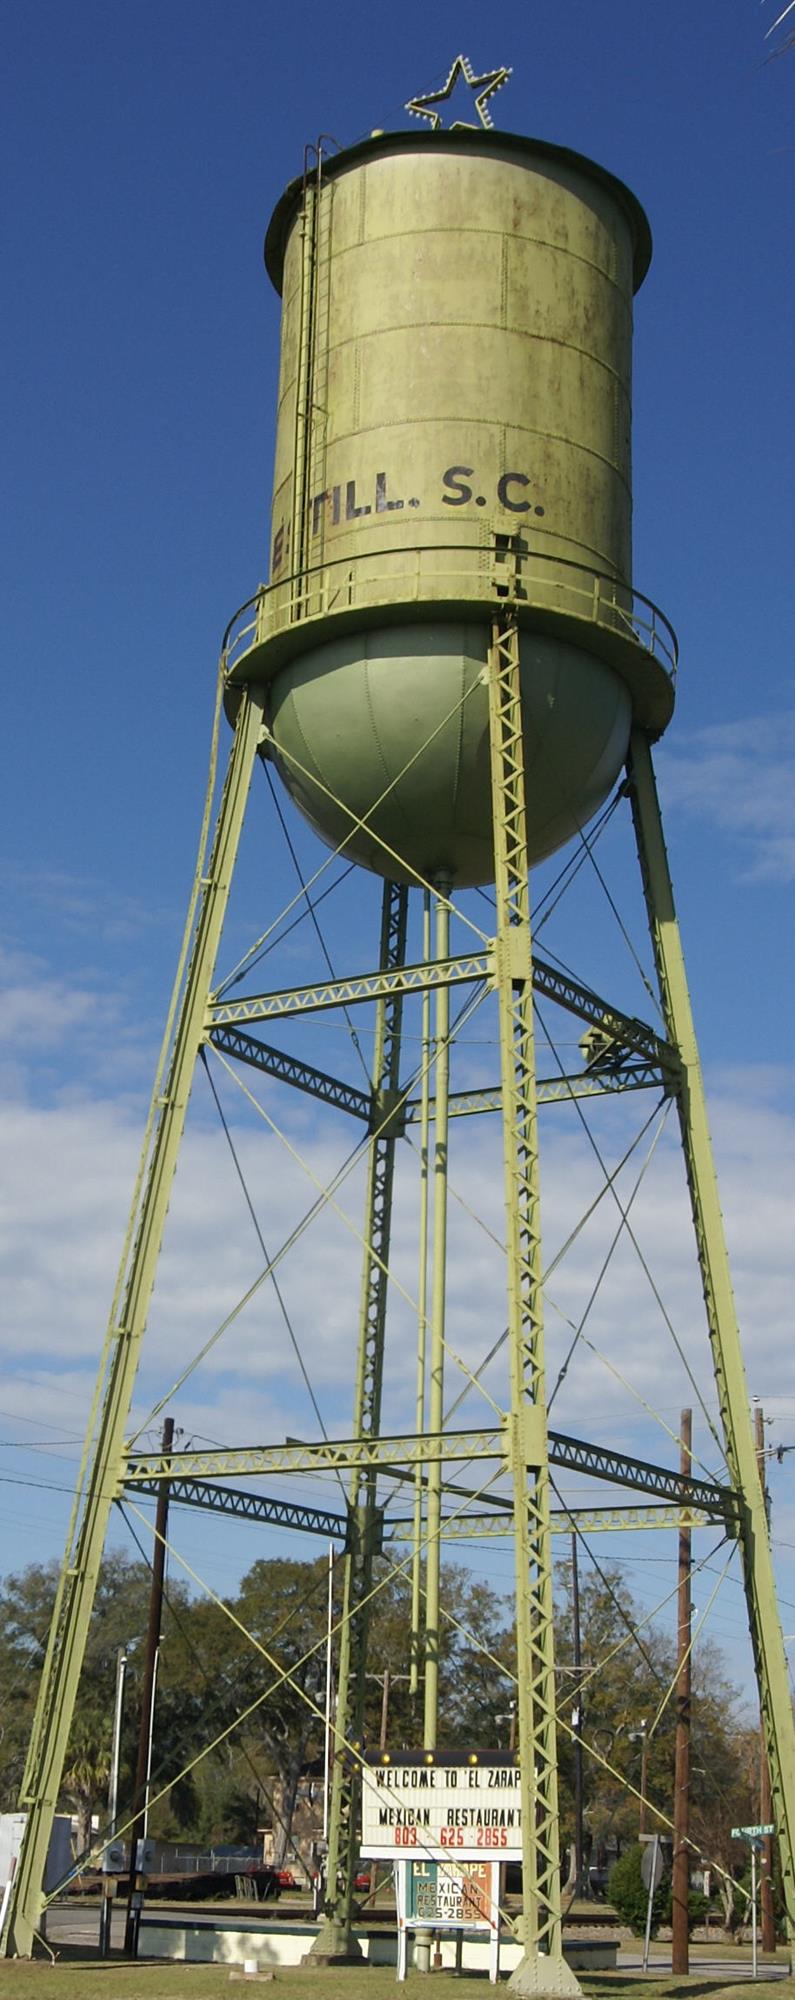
(303, 1076)
(567, 1521)
(621, 1030)
(246, 1506)
(599, 1081)
(384, 1453)
(350, 992)
(635, 1075)
(249, 1506)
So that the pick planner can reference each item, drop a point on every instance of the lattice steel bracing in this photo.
(624, 1032)
(335, 1937)
(618, 1053)
(243, 1505)
(394, 1455)
(527, 1429)
(436, 1345)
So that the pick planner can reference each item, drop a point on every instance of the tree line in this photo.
(210, 1674)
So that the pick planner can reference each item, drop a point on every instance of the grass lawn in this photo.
(117, 1979)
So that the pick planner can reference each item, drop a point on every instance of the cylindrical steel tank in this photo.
(453, 431)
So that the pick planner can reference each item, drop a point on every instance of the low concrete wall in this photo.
(597, 1954)
(231, 1940)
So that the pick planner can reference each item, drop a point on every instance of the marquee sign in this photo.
(466, 1806)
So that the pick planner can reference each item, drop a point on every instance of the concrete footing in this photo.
(335, 1944)
(543, 1977)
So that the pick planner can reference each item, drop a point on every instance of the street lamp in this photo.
(110, 1860)
(640, 1735)
(582, 1883)
(509, 1716)
(385, 1681)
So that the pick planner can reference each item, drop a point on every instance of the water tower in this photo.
(453, 432)
(451, 670)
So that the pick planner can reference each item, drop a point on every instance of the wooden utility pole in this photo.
(386, 1682)
(154, 1627)
(765, 1800)
(680, 1948)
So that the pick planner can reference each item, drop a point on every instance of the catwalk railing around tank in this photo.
(452, 573)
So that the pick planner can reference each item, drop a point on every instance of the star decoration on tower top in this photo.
(484, 88)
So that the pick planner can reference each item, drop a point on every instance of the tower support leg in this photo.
(335, 1940)
(433, 1570)
(422, 1311)
(766, 1635)
(103, 1457)
(542, 1968)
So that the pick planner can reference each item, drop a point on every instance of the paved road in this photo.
(728, 1967)
(77, 1924)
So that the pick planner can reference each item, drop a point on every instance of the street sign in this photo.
(652, 1867)
(751, 1832)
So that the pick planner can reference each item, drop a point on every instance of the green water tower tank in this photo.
(453, 434)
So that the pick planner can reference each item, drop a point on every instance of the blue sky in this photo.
(143, 150)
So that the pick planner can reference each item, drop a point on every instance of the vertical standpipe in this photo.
(454, 408)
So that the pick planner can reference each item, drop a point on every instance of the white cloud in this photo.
(70, 1171)
(82, 906)
(67, 1164)
(741, 776)
(38, 1011)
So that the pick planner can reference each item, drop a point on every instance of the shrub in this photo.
(628, 1893)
